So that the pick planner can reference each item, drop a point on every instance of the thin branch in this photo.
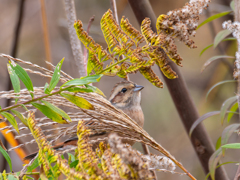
(75, 43)
(182, 99)
(46, 34)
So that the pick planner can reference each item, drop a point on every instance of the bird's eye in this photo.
(123, 90)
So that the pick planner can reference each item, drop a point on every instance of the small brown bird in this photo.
(126, 96)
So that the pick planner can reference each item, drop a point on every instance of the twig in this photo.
(75, 43)
(85, 49)
(45, 34)
(182, 99)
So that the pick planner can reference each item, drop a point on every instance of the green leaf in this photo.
(11, 177)
(232, 109)
(50, 113)
(209, 61)
(226, 104)
(71, 156)
(78, 101)
(22, 74)
(77, 89)
(205, 49)
(227, 39)
(57, 110)
(82, 81)
(56, 76)
(229, 162)
(14, 79)
(220, 36)
(46, 90)
(215, 16)
(232, 5)
(20, 116)
(232, 146)
(33, 166)
(227, 132)
(218, 143)
(74, 164)
(90, 65)
(213, 161)
(7, 157)
(199, 120)
(95, 89)
(11, 119)
(219, 83)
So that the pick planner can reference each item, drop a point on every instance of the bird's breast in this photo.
(136, 114)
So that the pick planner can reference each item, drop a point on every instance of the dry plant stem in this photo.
(75, 43)
(237, 18)
(182, 100)
(45, 33)
(85, 55)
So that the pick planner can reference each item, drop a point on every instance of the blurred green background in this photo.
(161, 118)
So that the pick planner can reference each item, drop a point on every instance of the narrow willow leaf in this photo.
(56, 76)
(82, 81)
(215, 16)
(57, 110)
(213, 161)
(7, 157)
(78, 101)
(22, 74)
(46, 90)
(11, 119)
(206, 48)
(232, 5)
(77, 89)
(220, 36)
(232, 146)
(50, 113)
(199, 120)
(20, 116)
(229, 162)
(33, 166)
(95, 89)
(225, 106)
(232, 109)
(214, 58)
(219, 83)
(218, 143)
(2, 145)
(227, 132)
(14, 79)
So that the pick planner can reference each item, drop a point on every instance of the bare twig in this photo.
(45, 33)
(182, 99)
(75, 43)
(85, 55)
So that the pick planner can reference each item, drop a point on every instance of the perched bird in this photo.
(126, 96)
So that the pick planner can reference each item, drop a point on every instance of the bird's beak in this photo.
(138, 88)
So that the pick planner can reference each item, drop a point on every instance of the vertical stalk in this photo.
(75, 43)
(45, 34)
(182, 99)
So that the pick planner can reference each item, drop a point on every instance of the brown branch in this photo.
(45, 34)
(75, 43)
(182, 99)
